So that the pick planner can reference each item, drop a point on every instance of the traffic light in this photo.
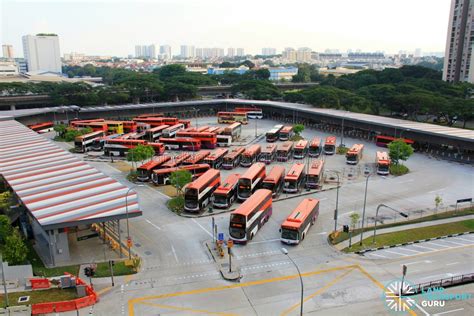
(88, 271)
(404, 214)
(345, 228)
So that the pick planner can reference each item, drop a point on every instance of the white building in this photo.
(187, 51)
(42, 52)
(303, 55)
(165, 52)
(230, 52)
(289, 54)
(240, 52)
(268, 51)
(7, 51)
(8, 69)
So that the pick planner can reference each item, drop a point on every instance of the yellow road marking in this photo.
(198, 311)
(104, 290)
(321, 290)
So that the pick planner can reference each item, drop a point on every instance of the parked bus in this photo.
(315, 174)
(145, 171)
(354, 155)
(98, 143)
(247, 219)
(83, 123)
(216, 158)
(42, 127)
(181, 143)
(197, 157)
(150, 115)
(129, 126)
(252, 113)
(95, 126)
(224, 140)
(234, 130)
(186, 123)
(197, 194)
(250, 155)
(383, 141)
(251, 180)
(382, 161)
(157, 121)
(153, 134)
(232, 158)
(162, 176)
(268, 153)
(120, 147)
(301, 149)
(114, 127)
(83, 143)
(285, 151)
(286, 133)
(274, 180)
(204, 128)
(176, 160)
(274, 134)
(208, 140)
(330, 145)
(295, 227)
(171, 131)
(295, 179)
(315, 147)
(232, 117)
(215, 129)
(226, 193)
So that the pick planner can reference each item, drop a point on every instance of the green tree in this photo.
(438, 200)
(60, 129)
(168, 71)
(298, 129)
(5, 201)
(257, 89)
(6, 228)
(179, 179)
(354, 220)
(399, 150)
(15, 250)
(140, 153)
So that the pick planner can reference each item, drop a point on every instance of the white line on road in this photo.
(452, 263)
(156, 226)
(406, 249)
(322, 233)
(436, 244)
(323, 199)
(348, 213)
(453, 242)
(421, 309)
(437, 275)
(201, 227)
(377, 255)
(418, 246)
(174, 253)
(434, 191)
(416, 262)
(265, 241)
(463, 239)
(406, 181)
(397, 253)
(451, 311)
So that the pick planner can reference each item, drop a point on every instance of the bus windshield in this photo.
(383, 167)
(289, 234)
(245, 188)
(290, 184)
(191, 198)
(268, 186)
(237, 226)
(220, 199)
(351, 157)
(312, 179)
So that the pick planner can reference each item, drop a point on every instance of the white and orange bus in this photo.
(216, 158)
(301, 149)
(162, 176)
(120, 147)
(202, 128)
(382, 161)
(330, 145)
(249, 217)
(315, 147)
(295, 228)
(197, 157)
(274, 134)
(354, 155)
(144, 171)
(252, 113)
(154, 133)
(234, 130)
(295, 178)
(250, 155)
(208, 140)
(197, 194)
(315, 174)
(226, 193)
(232, 117)
(268, 153)
(181, 143)
(172, 130)
(274, 180)
(251, 180)
(42, 127)
(284, 151)
(176, 160)
(286, 133)
(83, 143)
(232, 158)
(157, 121)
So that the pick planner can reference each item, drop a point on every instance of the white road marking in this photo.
(434, 191)
(437, 275)
(406, 249)
(463, 239)
(174, 253)
(156, 226)
(397, 253)
(322, 233)
(436, 244)
(348, 213)
(453, 242)
(451, 311)
(416, 262)
(265, 241)
(406, 181)
(452, 263)
(377, 255)
(418, 246)
(201, 227)
(421, 309)
(323, 199)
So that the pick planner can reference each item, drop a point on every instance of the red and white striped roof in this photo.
(57, 188)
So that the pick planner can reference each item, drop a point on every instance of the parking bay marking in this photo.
(154, 225)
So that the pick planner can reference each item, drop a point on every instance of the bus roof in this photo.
(295, 171)
(175, 126)
(231, 113)
(217, 154)
(194, 134)
(187, 167)
(233, 126)
(285, 145)
(252, 202)
(286, 128)
(254, 169)
(300, 213)
(252, 150)
(275, 174)
(247, 109)
(157, 128)
(355, 149)
(180, 139)
(235, 152)
(330, 140)
(213, 129)
(315, 142)
(97, 133)
(129, 141)
(179, 158)
(202, 128)
(203, 180)
(154, 163)
(268, 149)
(382, 157)
(198, 156)
(301, 144)
(228, 184)
(316, 167)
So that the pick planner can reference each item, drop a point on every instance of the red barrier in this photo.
(83, 302)
(65, 306)
(42, 308)
(39, 284)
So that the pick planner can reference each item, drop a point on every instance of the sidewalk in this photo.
(345, 243)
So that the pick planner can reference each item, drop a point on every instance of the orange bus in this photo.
(202, 128)
(295, 179)
(268, 153)
(232, 117)
(226, 193)
(286, 133)
(197, 194)
(250, 155)
(274, 180)
(383, 141)
(354, 155)
(157, 121)
(285, 151)
(214, 129)
(315, 174)
(295, 227)
(162, 176)
(83, 123)
(251, 180)
(120, 147)
(301, 149)
(234, 130)
(186, 123)
(252, 113)
(83, 143)
(315, 147)
(151, 115)
(197, 157)
(153, 134)
(330, 145)
(382, 161)
(247, 219)
(42, 127)
(176, 160)
(274, 134)
(232, 159)
(216, 158)
(181, 143)
(129, 126)
(208, 140)
(144, 171)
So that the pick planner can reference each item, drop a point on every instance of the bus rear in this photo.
(295, 228)
(144, 171)
(295, 179)
(251, 181)
(226, 193)
(315, 147)
(354, 154)
(330, 145)
(197, 194)
(315, 174)
(382, 161)
(232, 159)
(268, 153)
(286, 133)
(274, 180)
(250, 155)
(301, 149)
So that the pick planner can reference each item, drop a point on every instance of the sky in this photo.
(114, 27)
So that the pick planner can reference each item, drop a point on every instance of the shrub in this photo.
(342, 150)
(398, 170)
(176, 204)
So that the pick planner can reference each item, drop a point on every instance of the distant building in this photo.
(282, 73)
(165, 52)
(7, 51)
(362, 55)
(187, 51)
(268, 51)
(145, 51)
(22, 65)
(303, 55)
(289, 54)
(220, 71)
(73, 56)
(459, 60)
(152, 51)
(42, 52)
(230, 52)
(240, 52)
(8, 69)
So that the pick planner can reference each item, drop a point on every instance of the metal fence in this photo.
(444, 283)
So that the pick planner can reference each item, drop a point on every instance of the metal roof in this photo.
(57, 188)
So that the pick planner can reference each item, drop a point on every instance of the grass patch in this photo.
(40, 296)
(40, 270)
(398, 170)
(414, 234)
(344, 236)
(103, 269)
(132, 176)
(342, 150)
(176, 204)
(296, 138)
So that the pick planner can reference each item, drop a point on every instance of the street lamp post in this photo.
(336, 211)
(377, 213)
(363, 212)
(342, 133)
(126, 211)
(285, 252)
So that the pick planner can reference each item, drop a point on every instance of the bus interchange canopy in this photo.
(58, 189)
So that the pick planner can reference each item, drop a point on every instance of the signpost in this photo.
(230, 244)
(462, 201)
(403, 280)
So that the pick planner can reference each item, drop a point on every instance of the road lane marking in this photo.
(416, 262)
(421, 309)
(197, 311)
(452, 263)
(348, 213)
(436, 244)
(451, 311)
(431, 249)
(452, 242)
(202, 227)
(156, 226)
(397, 253)
(322, 233)
(265, 241)
(406, 249)
(468, 240)
(406, 181)
(377, 255)
(174, 253)
(436, 275)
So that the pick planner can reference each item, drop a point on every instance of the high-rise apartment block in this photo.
(187, 51)
(165, 52)
(230, 52)
(268, 51)
(145, 51)
(42, 52)
(240, 52)
(7, 51)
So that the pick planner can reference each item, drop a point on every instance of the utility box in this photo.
(81, 290)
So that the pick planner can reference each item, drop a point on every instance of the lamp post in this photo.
(336, 211)
(126, 211)
(342, 133)
(285, 252)
(363, 212)
(377, 213)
